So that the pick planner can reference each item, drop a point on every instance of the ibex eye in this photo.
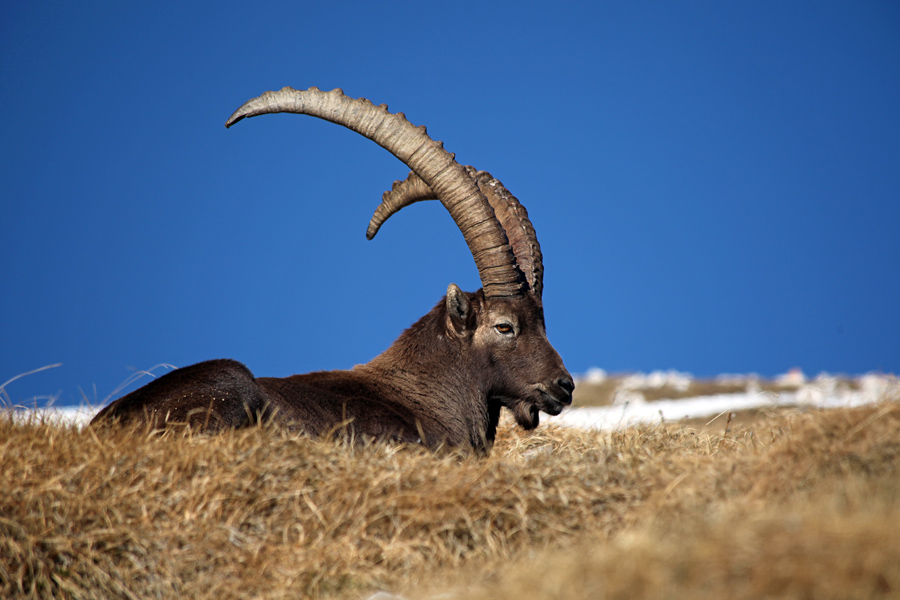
(504, 328)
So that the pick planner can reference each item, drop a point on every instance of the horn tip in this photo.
(234, 118)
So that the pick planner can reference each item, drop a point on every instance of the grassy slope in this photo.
(790, 505)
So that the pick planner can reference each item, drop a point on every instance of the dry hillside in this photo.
(790, 504)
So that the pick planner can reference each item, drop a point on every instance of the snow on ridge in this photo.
(632, 413)
(630, 408)
(55, 415)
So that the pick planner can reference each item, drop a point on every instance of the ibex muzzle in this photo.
(446, 378)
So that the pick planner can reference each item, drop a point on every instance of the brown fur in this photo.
(442, 382)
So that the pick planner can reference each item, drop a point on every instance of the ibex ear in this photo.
(457, 308)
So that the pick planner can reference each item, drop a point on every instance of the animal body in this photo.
(445, 380)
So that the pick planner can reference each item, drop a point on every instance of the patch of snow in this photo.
(823, 392)
(624, 396)
(594, 375)
(642, 381)
(878, 385)
(63, 415)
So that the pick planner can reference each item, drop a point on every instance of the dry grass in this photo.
(789, 505)
(803, 507)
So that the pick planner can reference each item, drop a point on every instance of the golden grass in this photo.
(791, 505)
(803, 507)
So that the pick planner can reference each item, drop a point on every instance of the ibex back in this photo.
(446, 378)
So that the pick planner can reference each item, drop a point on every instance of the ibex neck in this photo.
(430, 374)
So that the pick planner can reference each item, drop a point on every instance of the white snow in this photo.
(630, 408)
(60, 415)
(631, 413)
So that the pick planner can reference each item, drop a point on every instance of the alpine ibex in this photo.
(445, 379)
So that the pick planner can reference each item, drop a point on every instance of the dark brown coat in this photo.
(442, 382)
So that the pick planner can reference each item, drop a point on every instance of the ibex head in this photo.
(530, 376)
(508, 343)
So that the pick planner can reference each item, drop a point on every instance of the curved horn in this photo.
(509, 211)
(500, 276)
(402, 194)
(519, 230)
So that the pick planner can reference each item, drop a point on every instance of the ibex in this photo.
(445, 379)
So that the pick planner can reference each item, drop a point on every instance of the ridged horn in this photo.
(519, 230)
(402, 194)
(497, 268)
(509, 211)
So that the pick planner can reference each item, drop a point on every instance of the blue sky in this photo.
(715, 185)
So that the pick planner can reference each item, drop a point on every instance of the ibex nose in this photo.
(568, 386)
